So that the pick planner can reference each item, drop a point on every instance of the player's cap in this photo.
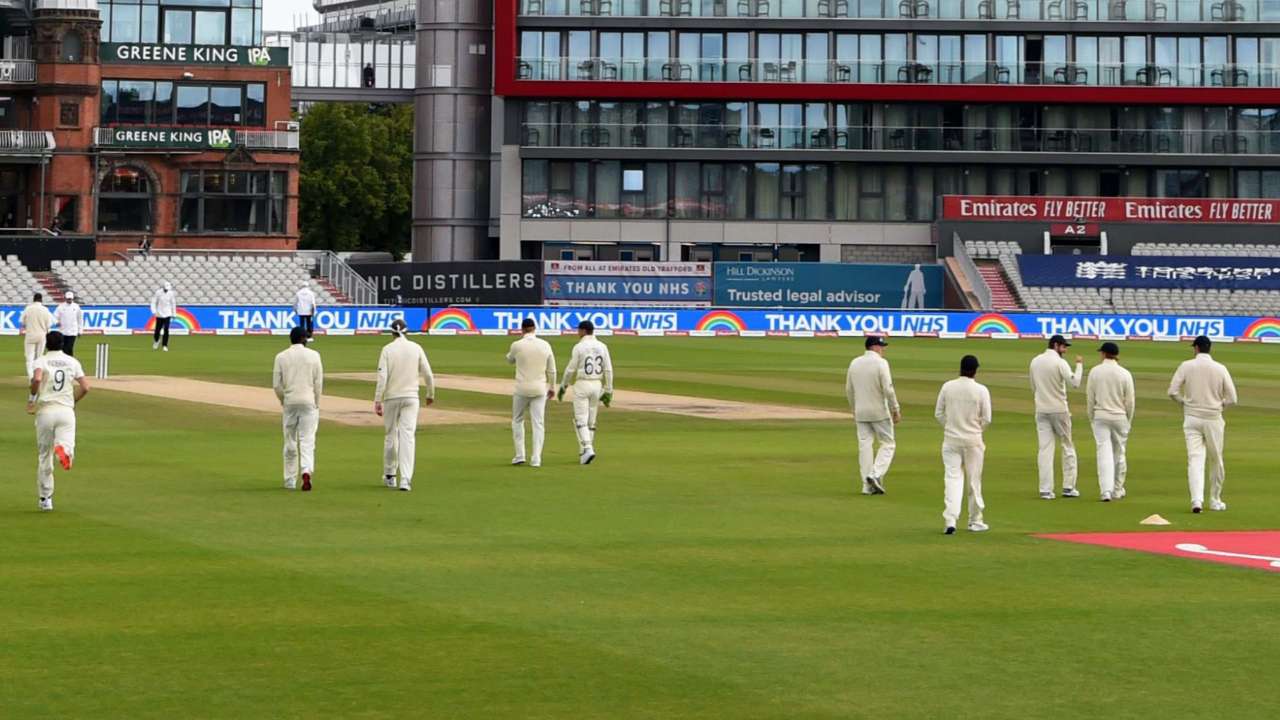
(1058, 340)
(874, 340)
(399, 327)
(1202, 343)
(1109, 348)
(71, 295)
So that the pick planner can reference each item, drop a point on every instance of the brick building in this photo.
(166, 121)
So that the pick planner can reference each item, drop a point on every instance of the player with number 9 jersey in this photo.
(590, 371)
(57, 384)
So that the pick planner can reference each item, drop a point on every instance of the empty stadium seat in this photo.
(17, 284)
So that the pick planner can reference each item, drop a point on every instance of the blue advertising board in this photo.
(828, 285)
(1138, 271)
(606, 288)
(216, 318)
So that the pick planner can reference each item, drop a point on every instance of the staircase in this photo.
(1003, 296)
(333, 290)
(54, 290)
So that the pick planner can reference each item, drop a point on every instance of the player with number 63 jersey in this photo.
(590, 370)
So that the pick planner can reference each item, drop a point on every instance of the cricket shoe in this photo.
(406, 486)
(949, 531)
(389, 481)
(877, 488)
(290, 485)
(536, 463)
(978, 527)
(1119, 495)
(517, 461)
(155, 345)
(63, 458)
(46, 504)
(1047, 496)
(587, 457)
(1106, 497)
(1217, 506)
(867, 489)
(166, 348)
(306, 482)
(1195, 508)
(1070, 493)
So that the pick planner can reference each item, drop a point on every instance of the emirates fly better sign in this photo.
(1008, 208)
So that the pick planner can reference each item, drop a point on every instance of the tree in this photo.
(355, 184)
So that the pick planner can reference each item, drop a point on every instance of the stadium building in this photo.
(167, 123)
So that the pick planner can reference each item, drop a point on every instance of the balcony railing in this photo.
(757, 70)
(17, 72)
(1033, 10)
(908, 138)
(251, 139)
(25, 141)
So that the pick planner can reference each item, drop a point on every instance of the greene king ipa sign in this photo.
(180, 138)
(1083, 210)
(156, 54)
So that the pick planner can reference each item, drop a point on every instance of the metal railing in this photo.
(1217, 141)
(20, 141)
(339, 274)
(970, 269)
(1030, 10)
(17, 72)
(757, 70)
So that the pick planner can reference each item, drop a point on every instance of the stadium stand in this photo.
(1137, 300)
(197, 279)
(17, 284)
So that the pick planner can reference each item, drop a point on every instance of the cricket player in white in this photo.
(298, 379)
(964, 411)
(35, 323)
(57, 384)
(402, 370)
(1050, 375)
(304, 304)
(868, 385)
(163, 306)
(590, 371)
(70, 319)
(1110, 404)
(535, 383)
(1203, 387)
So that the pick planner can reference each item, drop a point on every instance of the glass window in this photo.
(163, 111)
(210, 27)
(135, 101)
(193, 105)
(236, 202)
(150, 23)
(737, 180)
(242, 27)
(533, 187)
(72, 49)
(225, 106)
(255, 104)
(110, 90)
(177, 27)
(608, 185)
(126, 23)
(124, 201)
(688, 193)
(768, 201)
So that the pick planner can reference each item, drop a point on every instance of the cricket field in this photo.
(700, 568)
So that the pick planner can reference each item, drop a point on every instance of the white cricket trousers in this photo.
(1111, 435)
(1204, 442)
(1051, 429)
(400, 420)
(32, 350)
(586, 405)
(300, 424)
(55, 425)
(870, 462)
(535, 407)
(959, 461)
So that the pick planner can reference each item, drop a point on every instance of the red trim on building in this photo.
(506, 49)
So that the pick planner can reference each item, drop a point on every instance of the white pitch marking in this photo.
(1194, 548)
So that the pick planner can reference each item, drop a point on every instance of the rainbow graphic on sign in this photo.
(991, 323)
(721, 321)
(450, 319)
(1267, 327)
(182, 319)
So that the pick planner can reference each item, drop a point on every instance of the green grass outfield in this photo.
(699, 569)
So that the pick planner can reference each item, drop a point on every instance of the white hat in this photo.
(70, 296)
(167, 286)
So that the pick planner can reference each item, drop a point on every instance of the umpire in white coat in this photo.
(402, 371)
(868, 385)
(163, 306)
